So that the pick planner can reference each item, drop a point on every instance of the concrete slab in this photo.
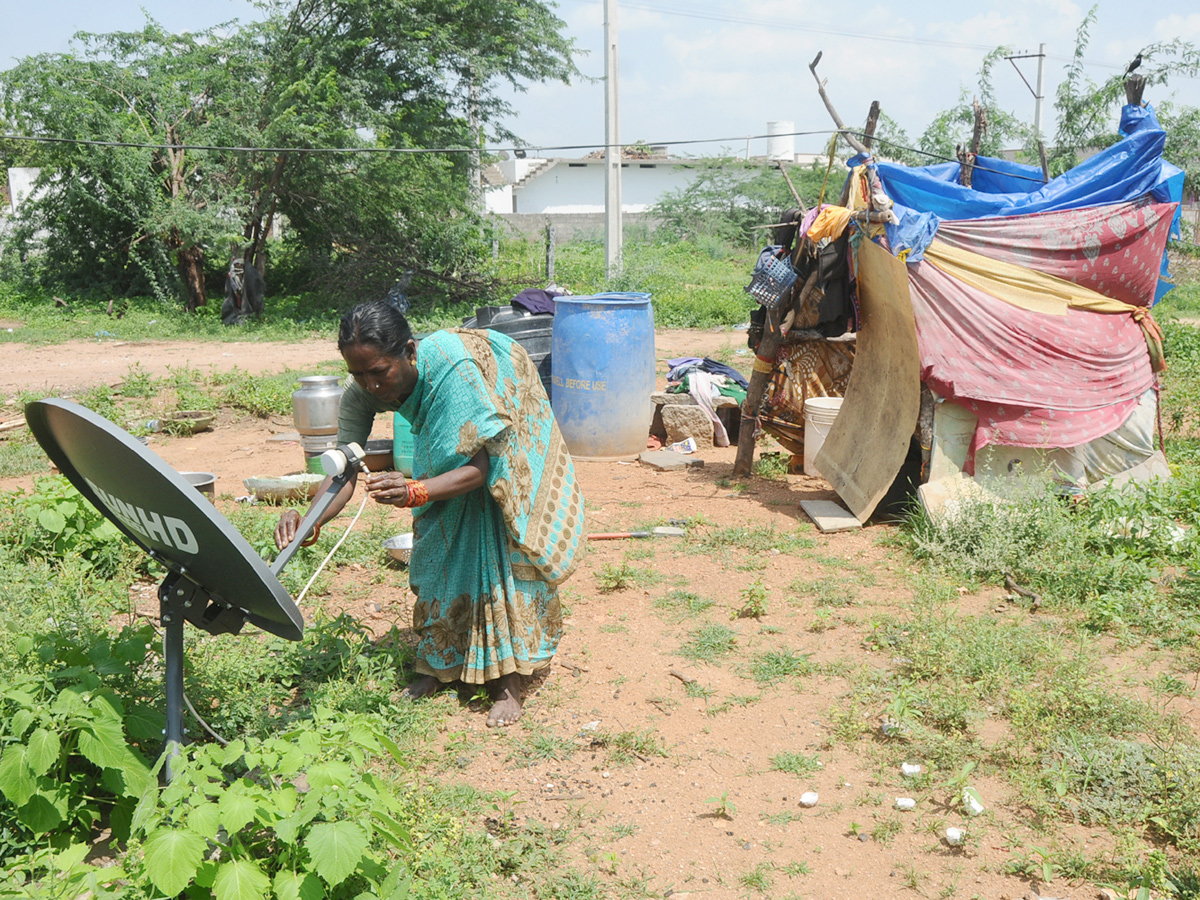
(1154, 467)
(946, 496)
(669, 461)
(830, 517)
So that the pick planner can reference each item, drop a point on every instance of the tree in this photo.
(127, 218)
(952, 127)
(315, 76)
(1086, 110)
(396, 74)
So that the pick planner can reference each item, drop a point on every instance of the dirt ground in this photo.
(654, 825)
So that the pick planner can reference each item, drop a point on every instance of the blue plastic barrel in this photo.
(602, 369)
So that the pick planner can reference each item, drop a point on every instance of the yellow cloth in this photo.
(829, 223)
(1038, 292)
(1027, 288)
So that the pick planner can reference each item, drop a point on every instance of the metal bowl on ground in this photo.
(204, 482)
(190, 421)
(282, 488)
(379, 455)
(399, 548)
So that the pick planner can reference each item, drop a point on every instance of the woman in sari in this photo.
(497, 512)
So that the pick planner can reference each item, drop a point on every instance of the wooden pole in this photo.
(792, 188)
(872, 122)
(966, 157)
(837, 120)
(550, 242)
(768, 348)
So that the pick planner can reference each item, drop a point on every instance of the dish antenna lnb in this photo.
(215, 579)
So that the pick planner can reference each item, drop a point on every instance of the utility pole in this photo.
(474, 162)
(612, 141)
(1041, 91)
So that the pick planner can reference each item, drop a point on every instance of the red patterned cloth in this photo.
(1033, 379)
(1116, 250)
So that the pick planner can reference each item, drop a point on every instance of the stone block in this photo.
(683, 422)
(667, 461)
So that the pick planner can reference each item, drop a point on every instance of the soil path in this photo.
(679, 775)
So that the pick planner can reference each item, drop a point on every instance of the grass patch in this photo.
(709, 643)
(678, 605)
(21, 456)
(627, 746)
(795, 763)
(775, 666)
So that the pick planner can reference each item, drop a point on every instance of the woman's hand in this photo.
(285, 531)
(388, 487)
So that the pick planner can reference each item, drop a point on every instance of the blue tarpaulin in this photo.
(1129, 169)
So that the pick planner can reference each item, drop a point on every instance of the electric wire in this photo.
(329, 555)
(415, 151)
(494, 150)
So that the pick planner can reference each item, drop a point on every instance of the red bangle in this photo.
(418, 494)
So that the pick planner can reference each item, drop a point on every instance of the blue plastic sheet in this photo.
(1127, 170)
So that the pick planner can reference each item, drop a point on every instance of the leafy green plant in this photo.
(723, 807)
(773, 466)
(296, 813)
(1038, 863)
(754, 601)
(138, 383)
(612, 578)
(56, 521)
(66, 762)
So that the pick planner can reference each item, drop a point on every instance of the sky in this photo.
(713, 72)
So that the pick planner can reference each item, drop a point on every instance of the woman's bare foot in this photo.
(422, 687)
(506, 701)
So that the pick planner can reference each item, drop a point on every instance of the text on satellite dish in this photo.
(150, 525)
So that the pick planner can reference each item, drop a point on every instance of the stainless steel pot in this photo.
(315, 405)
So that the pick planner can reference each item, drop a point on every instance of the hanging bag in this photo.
(773, 275)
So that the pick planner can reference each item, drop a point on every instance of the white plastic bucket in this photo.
(819, 413)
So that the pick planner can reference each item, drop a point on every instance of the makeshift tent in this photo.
(1030, 302)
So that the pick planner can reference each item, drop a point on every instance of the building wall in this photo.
(578, 186)
(569, 226)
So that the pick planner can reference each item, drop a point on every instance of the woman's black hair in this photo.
(375, 322)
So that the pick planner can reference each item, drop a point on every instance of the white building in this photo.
(577, 185)
(562, 186)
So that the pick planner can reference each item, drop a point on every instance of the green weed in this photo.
(709, 643)
(775, 666)
(754, 601)
(760, 879)
(678, 605)
(795, 763)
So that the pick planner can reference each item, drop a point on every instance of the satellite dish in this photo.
(216, 579)
(168, 518)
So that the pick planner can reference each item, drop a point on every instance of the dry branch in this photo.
(837, 120)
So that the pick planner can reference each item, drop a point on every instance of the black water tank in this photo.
(533, 332)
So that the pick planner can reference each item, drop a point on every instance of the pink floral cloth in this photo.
(1116, 250)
